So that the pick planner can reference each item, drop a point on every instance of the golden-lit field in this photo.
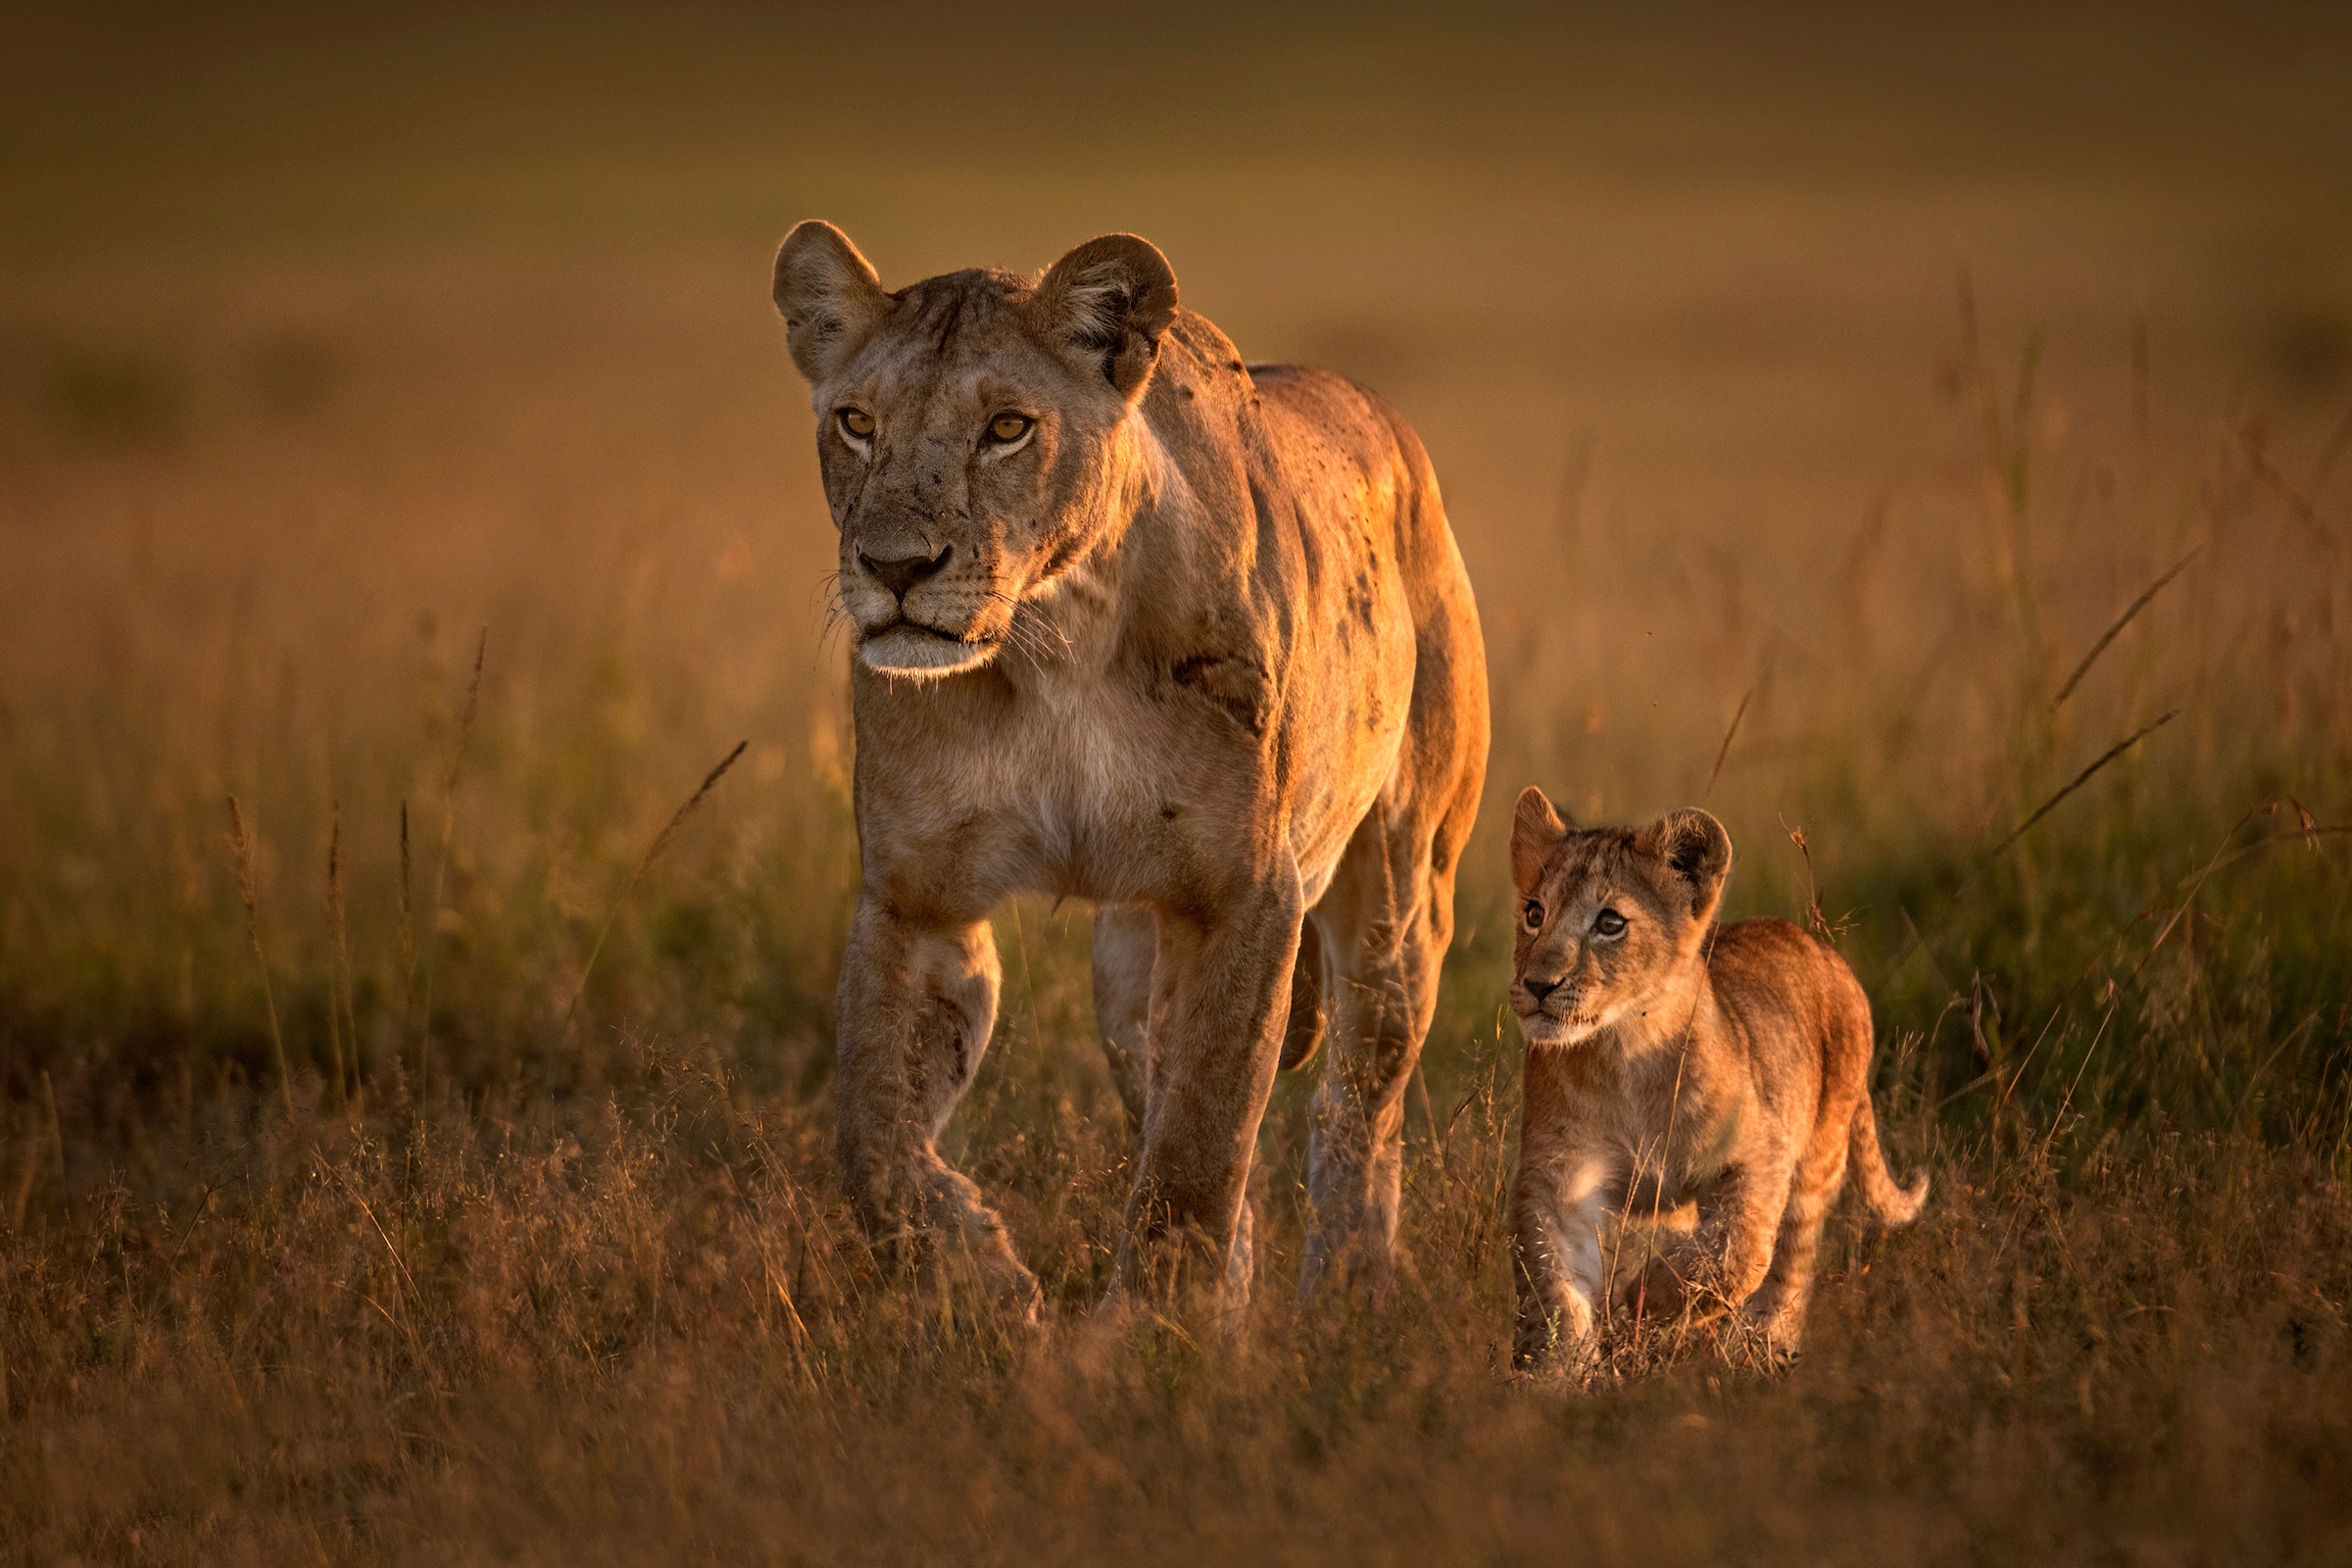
(415, 1167)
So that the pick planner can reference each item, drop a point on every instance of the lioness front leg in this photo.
(917, 1004)
(1220, 999)
(1388, 918)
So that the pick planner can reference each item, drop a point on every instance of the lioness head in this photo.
(967, 431)
(1608, 917)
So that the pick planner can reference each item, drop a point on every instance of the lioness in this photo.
(1671, 1060)
(1137, 623)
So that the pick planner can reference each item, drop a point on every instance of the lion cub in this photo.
(1670, 1059)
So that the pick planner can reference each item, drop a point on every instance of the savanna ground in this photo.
(1810, 404)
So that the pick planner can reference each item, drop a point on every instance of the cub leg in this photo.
(1220, 996)
(1557, 1208)
(1777, 1308)
(917, 1004)
(1126, 939)
(1725, 1255)
(1387, 917)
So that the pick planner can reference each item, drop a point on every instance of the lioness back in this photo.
(1310, 404)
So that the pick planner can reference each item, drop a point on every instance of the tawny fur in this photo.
(1673, 1060)
(1139, 625)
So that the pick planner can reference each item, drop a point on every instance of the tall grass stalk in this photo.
(242, 843)
(407, 931)
(1730, 734)
(448, 827)
(2120, 622)
(2081, 779)
(56, 1125)
(339, 981)
(644, 863)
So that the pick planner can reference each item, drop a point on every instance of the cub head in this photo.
(969, 430)
(1609, 918)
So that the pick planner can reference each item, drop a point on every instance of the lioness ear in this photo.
(828, 296)
(1696, 849)
(1108, 303)
(1536, 829)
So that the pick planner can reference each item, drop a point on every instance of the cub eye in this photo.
(1609, 923)
(1008, 427)
(1533, 915)
(857, 421)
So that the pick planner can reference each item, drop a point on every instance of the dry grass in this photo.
(489, 1216)
(644, 1329)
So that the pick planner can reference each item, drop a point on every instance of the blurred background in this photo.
(1811, 389)
(1923, 430)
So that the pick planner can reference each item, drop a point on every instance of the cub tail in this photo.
(1889, 1205)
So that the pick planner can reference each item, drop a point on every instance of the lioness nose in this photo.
(1539, 989)
(904, 572)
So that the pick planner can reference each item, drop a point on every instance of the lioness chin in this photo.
(1138, 623)
(1673, 1060)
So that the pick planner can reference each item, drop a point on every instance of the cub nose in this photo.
(1539, 989)
(904, 572)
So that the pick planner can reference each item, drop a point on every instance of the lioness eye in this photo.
(1609, 923)
(858, 422)
(1535, 915)
(1009, 426)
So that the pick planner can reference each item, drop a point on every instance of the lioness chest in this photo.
(1170, 784)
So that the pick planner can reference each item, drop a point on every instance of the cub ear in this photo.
(1694, 847)
(1536, 829)
(1108, 303)
(828, 295)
